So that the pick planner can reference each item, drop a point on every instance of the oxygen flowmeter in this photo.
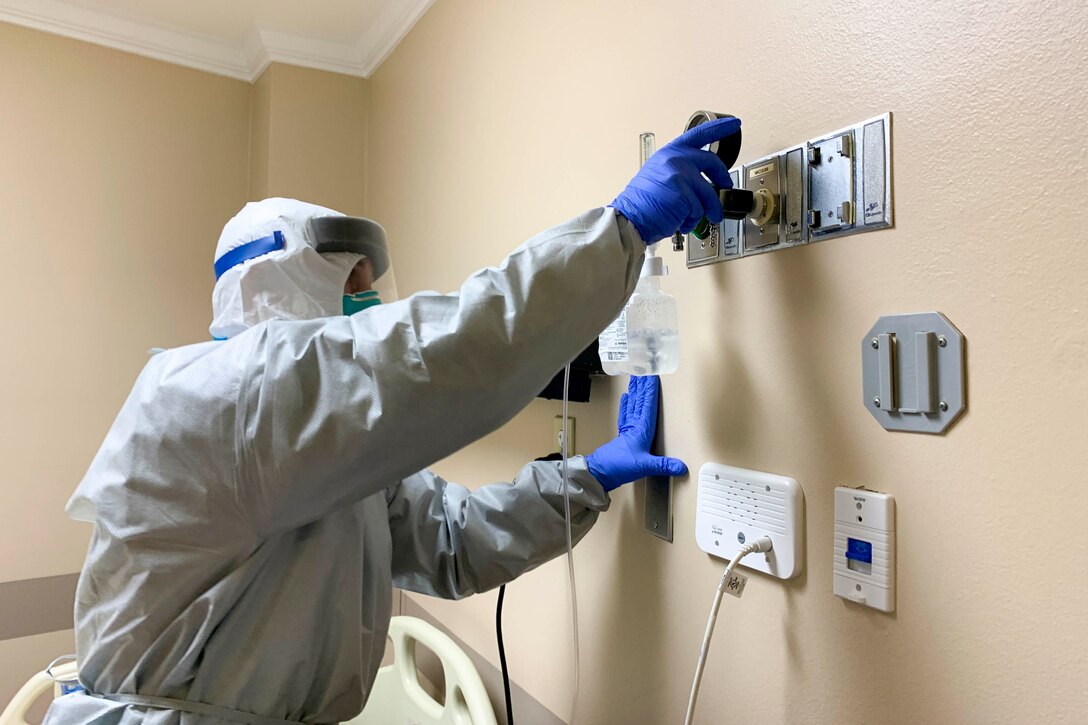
(736, 203)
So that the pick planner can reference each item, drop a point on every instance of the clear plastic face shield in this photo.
(370, 282)
(284, 259)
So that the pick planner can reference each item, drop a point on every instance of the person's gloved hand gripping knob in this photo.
(627, 457)
(669, 193)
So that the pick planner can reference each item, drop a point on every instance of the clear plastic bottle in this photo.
(653, 342)
(643, 340)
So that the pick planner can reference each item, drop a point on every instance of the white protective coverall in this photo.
(257, 498)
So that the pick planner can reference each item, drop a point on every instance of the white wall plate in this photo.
(865, 547)
(736, 506)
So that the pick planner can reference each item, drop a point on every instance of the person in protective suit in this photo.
(258, 496)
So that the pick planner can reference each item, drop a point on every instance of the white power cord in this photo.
(762, 544)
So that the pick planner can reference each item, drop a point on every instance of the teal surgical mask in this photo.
(360, 301)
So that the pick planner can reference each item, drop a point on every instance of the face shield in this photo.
(288, 260)
(369, 282)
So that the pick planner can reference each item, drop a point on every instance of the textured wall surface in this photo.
(118, 173)
(494, 120)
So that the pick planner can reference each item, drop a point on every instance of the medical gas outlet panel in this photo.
(831, 186)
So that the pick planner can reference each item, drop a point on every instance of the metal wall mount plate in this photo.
(658, 513)
(913, 372)
(722, 241)
(659, 507)
(831, 186)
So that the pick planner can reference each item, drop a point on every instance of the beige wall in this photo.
(309, 137)
(117, 175)
(494, 120)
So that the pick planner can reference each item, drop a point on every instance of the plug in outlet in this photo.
(557, 434)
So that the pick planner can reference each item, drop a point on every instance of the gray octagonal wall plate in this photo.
(913, 372)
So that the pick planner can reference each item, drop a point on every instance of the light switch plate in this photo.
(736, 506)
(864, 568)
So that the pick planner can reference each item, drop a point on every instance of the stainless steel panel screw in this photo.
(876, 344)
(944, 406)
(876, 402)
(942, 341)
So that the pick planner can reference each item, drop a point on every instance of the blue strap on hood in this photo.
(257, 248)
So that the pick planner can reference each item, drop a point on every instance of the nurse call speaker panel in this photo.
(736, 506)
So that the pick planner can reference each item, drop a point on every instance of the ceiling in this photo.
(235, 38)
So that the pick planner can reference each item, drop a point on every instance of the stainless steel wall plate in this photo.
(913, 372)
(836, 184)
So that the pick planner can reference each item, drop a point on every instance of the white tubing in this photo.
(570, 550)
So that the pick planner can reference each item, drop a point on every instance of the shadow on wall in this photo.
(801, 306)
(635, 635)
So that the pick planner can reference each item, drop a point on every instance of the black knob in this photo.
(726, 149)
(736, 203)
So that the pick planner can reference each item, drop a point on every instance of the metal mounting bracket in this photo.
(658, 519)
(913, 372)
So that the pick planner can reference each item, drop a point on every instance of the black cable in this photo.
(502, 658)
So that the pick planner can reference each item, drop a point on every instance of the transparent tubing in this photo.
(646, 149)
(647, 143)
(570, 549)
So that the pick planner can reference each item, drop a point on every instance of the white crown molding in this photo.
(256, 55)
(312, 53)
(244, 60)
(142, 38)
(383, 37)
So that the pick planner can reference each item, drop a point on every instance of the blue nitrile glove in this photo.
(627, 457)
(669, 193)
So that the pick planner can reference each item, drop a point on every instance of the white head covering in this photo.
(292, 283)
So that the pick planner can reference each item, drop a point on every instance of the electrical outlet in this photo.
(557, 434)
